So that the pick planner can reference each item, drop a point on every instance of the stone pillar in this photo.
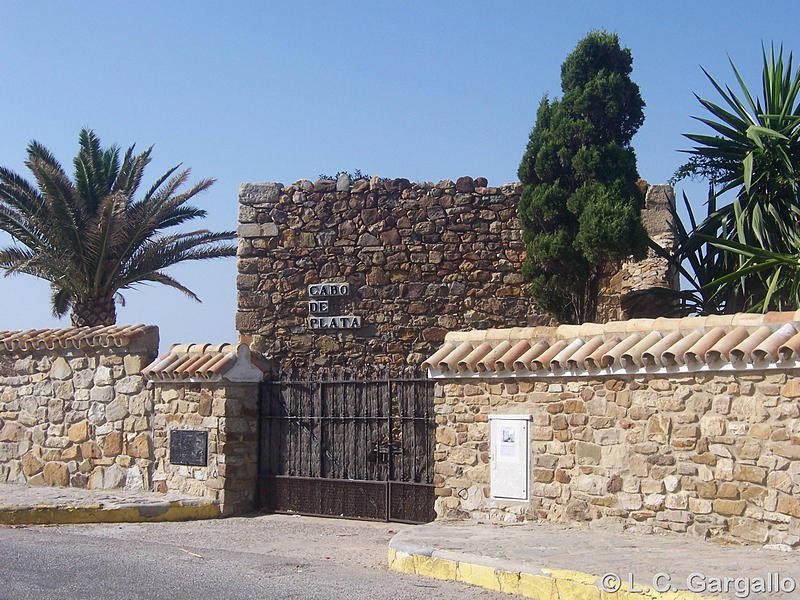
(225, 408)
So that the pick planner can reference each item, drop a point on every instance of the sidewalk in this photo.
(560, 562)
(28, 505)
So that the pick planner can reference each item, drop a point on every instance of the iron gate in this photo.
(337, 444)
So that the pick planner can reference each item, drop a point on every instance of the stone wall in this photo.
(229, 413)
(420, 259)
(713, 454)
(614, 303)
(77, 417)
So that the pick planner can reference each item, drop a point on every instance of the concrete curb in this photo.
(548, 584)
(64, 514)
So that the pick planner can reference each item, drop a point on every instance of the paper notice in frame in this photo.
(508, 444)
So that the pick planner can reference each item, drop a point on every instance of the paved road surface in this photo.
(261, 557)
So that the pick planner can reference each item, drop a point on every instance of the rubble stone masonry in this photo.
(229, 413)
(420, 259)
(77, 417)
(712, 454)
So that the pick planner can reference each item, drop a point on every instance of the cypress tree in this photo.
(580, 207)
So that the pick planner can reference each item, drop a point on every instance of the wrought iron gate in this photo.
(336, 444)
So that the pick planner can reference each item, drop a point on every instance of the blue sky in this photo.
(260, 91)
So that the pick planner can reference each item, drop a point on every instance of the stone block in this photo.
(791, 389)
(103, 394)
(700, 506)
(56, 474)
(60, 369)
(71, 453)
(114, 477)
(463, 456)
(31, 464)
(654, 501)
(133, 364)
(712, 425)
(112, 444)
(750, 530)
(446, 436)
(116, 411)
(789, 505)
(12, 432)
(79, 432)
(90, 449)
(103, 376)
(130, 385)
(588, 452)
(658, 427)
(750, 473)
(729, 507)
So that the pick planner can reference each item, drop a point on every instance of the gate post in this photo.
(205, 428)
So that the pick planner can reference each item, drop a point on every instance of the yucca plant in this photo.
(756, 154)
(89, 237)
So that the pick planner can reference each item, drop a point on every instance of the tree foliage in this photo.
(89, 237)
(580, 206)
(754, 153)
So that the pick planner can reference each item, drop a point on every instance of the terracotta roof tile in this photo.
(207, 362)
(718, 342)
(74, 337)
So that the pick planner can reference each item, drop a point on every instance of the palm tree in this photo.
(90, 238)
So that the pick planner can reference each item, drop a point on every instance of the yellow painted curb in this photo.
(67, 515)
(551, 584)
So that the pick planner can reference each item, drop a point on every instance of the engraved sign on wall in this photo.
(323, 299)
(188, 447)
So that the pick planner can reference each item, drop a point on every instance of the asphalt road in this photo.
(270, 556)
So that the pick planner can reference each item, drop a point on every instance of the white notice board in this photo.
(510, 456)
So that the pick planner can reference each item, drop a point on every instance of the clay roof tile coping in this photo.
(469, 362)
(674, 354)
(594, 361)
(450, 362)
(220, 366)
(775, 316)
(154, 366)
(559, 361)
(542, 362)
(208, 368)
(192, 363)
(577, 360)
(433, 361)
(651, 357)
(524, 362)
(741, 353)
(506, 362)
(632, 357)
(720, 351)
(790, 348)
(613, 355)
(694, 354)
(768, 349)
(487, 363)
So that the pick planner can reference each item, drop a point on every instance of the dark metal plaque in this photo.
(187, 447)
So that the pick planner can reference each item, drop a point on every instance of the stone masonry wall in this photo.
(229, 413)
(714, 455)
(614, 303)
(78, 418)
(420, 258)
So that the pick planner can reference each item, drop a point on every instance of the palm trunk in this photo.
(91, 312)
